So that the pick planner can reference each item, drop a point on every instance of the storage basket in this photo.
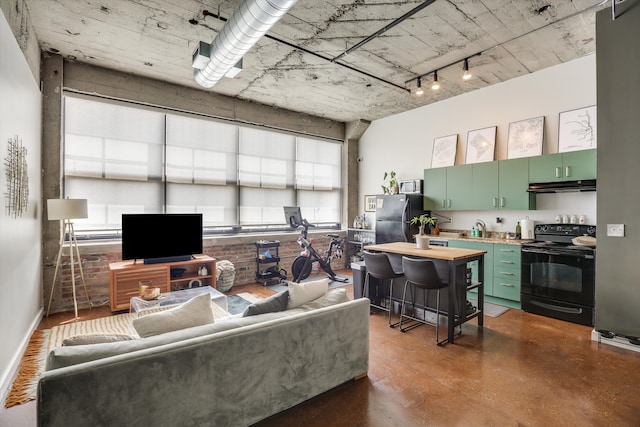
(225, 275)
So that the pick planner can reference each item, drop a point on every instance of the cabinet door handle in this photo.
(506, 273)
(567, 171)
(495, 202)
(506, 250)
(502, 202)
(444, 205)
(507, 262)
(558, 172)
(508, 285)
(448, 203)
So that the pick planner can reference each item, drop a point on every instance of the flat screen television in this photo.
(157, 238)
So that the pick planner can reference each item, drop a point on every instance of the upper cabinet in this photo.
(572, 166)
(513, 181)
(448, 188)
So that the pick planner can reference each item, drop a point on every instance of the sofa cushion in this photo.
(72, 355)
(277, 302)
(302, 293)
(97, 338)
(195, 312)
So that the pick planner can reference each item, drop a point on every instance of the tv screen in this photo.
(161, 237)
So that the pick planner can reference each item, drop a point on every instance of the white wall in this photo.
(20, 237)
(404, 142)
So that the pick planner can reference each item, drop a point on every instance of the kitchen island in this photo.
(456, 259)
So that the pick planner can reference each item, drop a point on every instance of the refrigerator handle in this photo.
(405, 220)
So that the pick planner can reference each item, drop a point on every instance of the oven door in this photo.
(558, 275)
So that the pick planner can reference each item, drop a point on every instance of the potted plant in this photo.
(390, 185)
(422, 240)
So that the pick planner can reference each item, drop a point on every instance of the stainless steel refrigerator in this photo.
(393, 214)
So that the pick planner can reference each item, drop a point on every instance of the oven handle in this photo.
(568, 310)
(552, 252)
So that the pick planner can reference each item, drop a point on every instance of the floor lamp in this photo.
(66, 210)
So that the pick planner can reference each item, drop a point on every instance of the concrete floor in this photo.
(520, 369)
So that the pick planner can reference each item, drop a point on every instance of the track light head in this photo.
(466, 75)
(435, 85)
(419, 91)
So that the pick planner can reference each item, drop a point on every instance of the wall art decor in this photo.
(15, 163)
(525, 138)
(577, 129)
(369, 203)
(481, 145)
(444, 151)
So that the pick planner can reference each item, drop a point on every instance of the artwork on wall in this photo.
(369, 203)
(481, 145)
(444, 151)
(16, 172)
(525, 138)
(577, 129)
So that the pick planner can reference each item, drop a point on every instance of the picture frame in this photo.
(370, 203)
(525, 138)
(578, 129)
(481, 145)
(444, 151)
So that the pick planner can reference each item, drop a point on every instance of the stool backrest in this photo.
(422, 272)
(378, 265)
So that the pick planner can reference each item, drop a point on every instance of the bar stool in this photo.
(379, 266)
(421, 274)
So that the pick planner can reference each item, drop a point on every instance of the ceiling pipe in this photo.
(248, 23)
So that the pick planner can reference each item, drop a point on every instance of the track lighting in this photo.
(466, 75)
(435, 85)
(419, 91)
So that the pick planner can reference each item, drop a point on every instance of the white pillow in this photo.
(195, 312)
(302, 293)
(96, 338)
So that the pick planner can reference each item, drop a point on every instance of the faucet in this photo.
(479, 223)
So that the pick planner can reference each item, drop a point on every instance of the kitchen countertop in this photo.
(498, 240)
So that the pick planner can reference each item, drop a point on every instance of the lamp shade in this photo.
(66, 209)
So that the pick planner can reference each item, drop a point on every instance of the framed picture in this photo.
(577, 129)
(525, 138)
(481, 145)
(444, 151)
(369, 203)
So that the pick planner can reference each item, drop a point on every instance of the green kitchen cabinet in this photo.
(571, 166)
(502, 185)
(506, 271)
(435, 189)
(448, 188)
(513, 181)
(488, 262)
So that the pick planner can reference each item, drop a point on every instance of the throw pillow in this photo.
(277, 302)
(195, 312)
(301, 293)
(96, 338)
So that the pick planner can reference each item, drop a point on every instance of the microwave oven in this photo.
(411, 186)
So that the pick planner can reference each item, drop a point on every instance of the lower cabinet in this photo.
(501, 271)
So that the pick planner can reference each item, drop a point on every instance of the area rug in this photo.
(41, 342)
(490, 309)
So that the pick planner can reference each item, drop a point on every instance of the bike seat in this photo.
(333, 236)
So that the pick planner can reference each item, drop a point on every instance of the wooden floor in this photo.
(519, 370)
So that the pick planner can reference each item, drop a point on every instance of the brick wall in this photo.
(240, 250)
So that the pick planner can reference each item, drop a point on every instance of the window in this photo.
(130, 159)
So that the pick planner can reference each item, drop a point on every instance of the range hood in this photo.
(563, 187)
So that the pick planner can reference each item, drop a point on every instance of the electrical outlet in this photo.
(499, 220)
(615, 230)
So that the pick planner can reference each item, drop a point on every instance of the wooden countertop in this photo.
(435, 252)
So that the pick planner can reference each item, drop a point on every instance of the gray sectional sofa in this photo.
(234, 372)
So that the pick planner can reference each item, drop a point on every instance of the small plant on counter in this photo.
(422, 220)
(390, 185)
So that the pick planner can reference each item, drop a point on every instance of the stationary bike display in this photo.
(303, 263)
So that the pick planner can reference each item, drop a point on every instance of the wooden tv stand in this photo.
(124, 277)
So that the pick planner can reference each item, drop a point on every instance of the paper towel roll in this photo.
(527, 229)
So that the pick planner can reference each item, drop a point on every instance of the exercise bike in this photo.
(303, 263)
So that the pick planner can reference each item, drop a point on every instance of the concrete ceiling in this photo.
(156, 38)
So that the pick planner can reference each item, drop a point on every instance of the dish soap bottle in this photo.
(518, 231)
